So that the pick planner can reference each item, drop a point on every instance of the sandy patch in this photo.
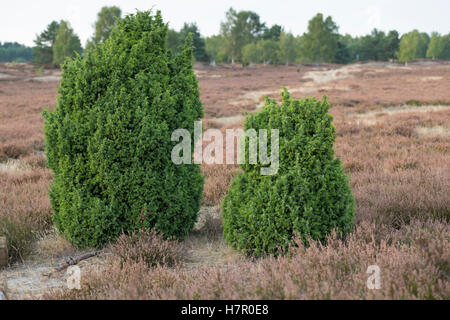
(206, 246)
(4, 75)
(228, 120)
(29, 281)
(374, 116)
(333, 74)
(52, 78)
(214, 76)
(199, 73)
(433, 131)
(205, 74)
(256, 98)
(399, 67)
(253, 96)
(32, 279)
(311, 88)
(431, 78)
(14, 166)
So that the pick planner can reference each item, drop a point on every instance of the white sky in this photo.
(21, 20)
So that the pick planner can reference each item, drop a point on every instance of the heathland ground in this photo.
(393, 136)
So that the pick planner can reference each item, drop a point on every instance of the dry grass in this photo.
(24, 205)
(413, 263)
(53, 246)
(217, 181)
(218, 178)
(433, 131)
(21, 103)
(205, 245)
(24, 210)
(395, 173)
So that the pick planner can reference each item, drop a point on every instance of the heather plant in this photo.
(309, 196)
(25, 212)
(108, 141)
(413, 263)
(148, 247)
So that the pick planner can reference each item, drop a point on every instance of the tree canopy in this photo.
(13, 51)
(176, 40)
(439, 46)
(43, 50)
(106, 22)
(320, 43)
(239, 29)
(413, 45)
(67, 43)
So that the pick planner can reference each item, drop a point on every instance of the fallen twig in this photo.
(73, 261)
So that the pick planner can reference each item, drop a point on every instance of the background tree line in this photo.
(13, 51)
(244, 38)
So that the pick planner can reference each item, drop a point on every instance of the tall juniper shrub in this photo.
(109, 139)
(309, 196)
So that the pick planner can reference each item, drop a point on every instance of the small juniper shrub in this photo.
(309, 195)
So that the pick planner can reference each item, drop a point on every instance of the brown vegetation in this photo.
(413, 261)
(148, 247)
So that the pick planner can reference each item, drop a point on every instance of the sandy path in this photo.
(31, 279)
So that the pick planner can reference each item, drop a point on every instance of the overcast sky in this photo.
(21, 20)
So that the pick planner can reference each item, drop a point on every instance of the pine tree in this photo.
(43, 49)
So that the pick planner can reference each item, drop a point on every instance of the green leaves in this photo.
(413, 45)
(310, 196)
(67, 43)
(108, 141)
(320, 43)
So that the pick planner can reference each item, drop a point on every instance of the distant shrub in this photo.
(310, 195)
(40, 71)
(109, 139)
(148, 247)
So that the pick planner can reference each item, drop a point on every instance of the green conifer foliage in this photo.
(109, 139)
(309, 196)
